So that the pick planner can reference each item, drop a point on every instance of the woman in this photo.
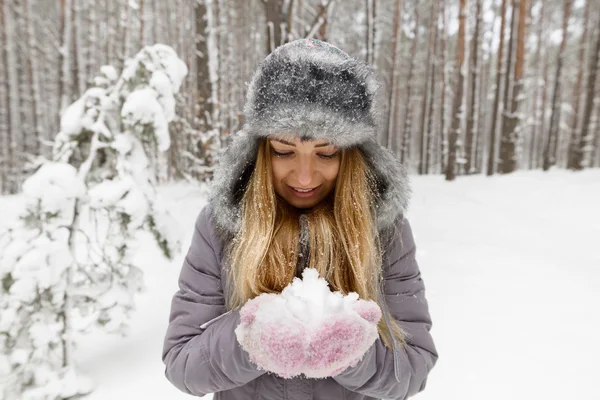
(305, 184)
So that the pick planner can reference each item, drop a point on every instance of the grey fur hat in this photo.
(311, 89)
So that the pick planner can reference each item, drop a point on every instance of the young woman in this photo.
(305, 184)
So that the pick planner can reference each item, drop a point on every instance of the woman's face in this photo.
(298, 166)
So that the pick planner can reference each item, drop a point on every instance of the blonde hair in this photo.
(344, 243)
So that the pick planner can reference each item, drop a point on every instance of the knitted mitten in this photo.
(341, 341)
(274, 338)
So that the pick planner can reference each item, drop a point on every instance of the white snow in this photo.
(55, 186)
(143, 107)
(512, 278)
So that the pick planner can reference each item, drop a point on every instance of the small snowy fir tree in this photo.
(66, 266)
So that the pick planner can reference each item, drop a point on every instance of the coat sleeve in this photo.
(200, 352)
(404, 293)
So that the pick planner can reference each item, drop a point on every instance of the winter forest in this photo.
(114, 112)
(479, 86)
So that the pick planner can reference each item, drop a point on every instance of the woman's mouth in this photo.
(304, 193)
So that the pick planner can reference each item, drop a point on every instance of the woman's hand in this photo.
(341, 341)
(307, 329)
(274, 338)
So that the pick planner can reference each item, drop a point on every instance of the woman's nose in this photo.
(305, 172)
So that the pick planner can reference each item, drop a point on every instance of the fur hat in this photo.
(314, 90)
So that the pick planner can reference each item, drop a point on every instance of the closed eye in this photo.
(278, 154)
(323, 156)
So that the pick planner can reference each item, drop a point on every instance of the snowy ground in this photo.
(512, 274)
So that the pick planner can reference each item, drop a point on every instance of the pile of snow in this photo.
(310, 300)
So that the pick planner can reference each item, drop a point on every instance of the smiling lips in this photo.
(304, 192)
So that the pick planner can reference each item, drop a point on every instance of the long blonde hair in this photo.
(344, 244)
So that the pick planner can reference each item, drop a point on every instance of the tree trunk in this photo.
(64, 90)
(457, 109)
(391, 142)
(92, 41)
(585, 145)
(537, 121)
(277, 18)
(574, 156)
(424, 97)
(78, 46)
(370, 11)
(508, 86)
(473, 119)
(33, 78)
(142, 24)
(428, 133)
(14, 98)
(408, 112)
(508, 157)
(442, 137)
(491, 167)
(4, 105)
(551, 145)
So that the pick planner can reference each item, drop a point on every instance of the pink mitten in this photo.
(342, 340)
(274, 338)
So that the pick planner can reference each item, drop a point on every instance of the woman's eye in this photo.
(328, 156)
(323, 156)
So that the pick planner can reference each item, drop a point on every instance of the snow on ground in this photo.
(512, 277)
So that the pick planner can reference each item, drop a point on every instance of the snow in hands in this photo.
(307, 329)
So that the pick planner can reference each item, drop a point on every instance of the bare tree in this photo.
(551, 144)
(491, 167)
(392, 133)
(14, 97)
(442, 138)
(279, 17)
(537, 120)
(574, 156)
(4, 105)
(457, 105)
(508, 157)
(429, 94)
(33, 75)
(586, 143)
(408, 111)
(64, 91)
(472, 121)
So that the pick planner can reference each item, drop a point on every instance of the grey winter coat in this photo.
(202, 355)
(310, 88)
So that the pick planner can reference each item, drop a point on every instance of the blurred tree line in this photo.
(471, 86)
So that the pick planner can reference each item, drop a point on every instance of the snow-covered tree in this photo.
(66, 266)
